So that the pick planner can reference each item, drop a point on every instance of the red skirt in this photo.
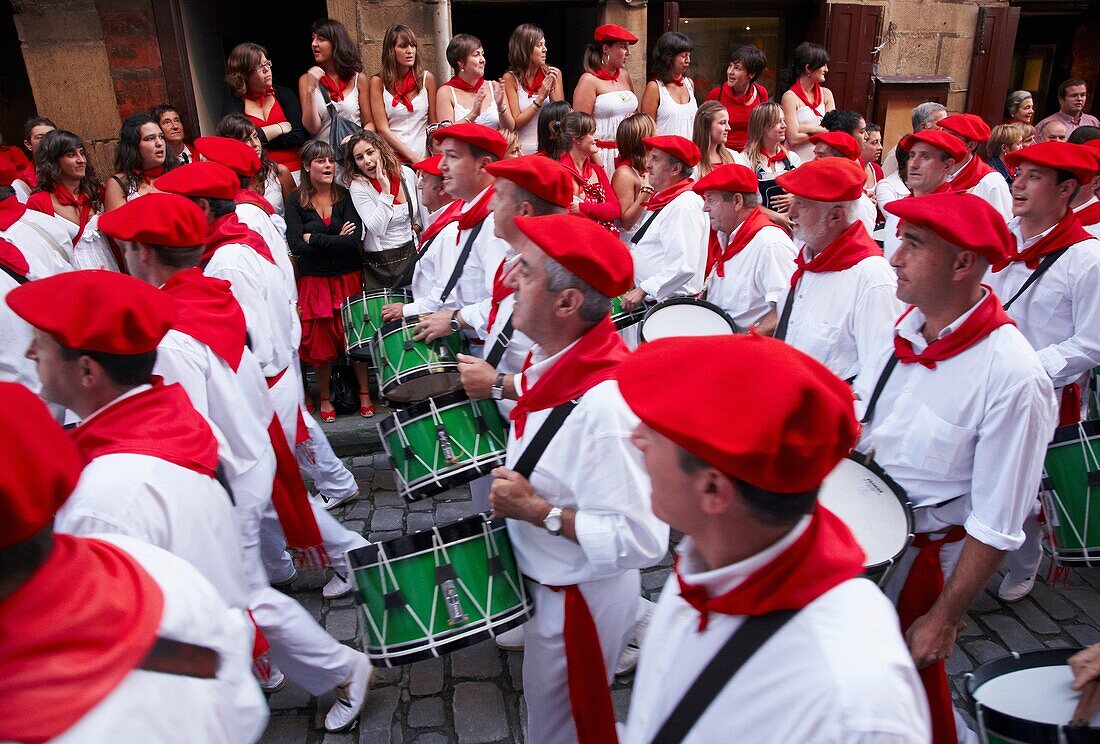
(319, 301)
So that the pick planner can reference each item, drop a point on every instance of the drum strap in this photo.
(19, 278)
(533, 453)
(406, 277)
(182, 659)
(460, 264)
(637, 237)
(742, 644)
(500, 345)
(785, 317)
(883, 378)
(1041, 269)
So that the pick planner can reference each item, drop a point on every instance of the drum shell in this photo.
(718, 315)
(1071, 479)
(362, 316)
(625, 318)
(411, 371)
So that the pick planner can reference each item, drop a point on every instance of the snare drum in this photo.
(1026, 698)
(1072, 478)
(625, 318)
(409, 370)
(685, 316)
(439, 590)
(443, 442)
(876, 510)
(362, 316)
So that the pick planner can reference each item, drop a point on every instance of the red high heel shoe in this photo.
(327, 416)
(368, 410)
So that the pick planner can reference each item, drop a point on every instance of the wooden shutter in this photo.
(991, 65)
(853, 34)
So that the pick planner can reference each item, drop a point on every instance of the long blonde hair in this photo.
(704, 121)
(763, 117)
(628, 138)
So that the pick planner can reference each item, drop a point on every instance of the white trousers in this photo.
(321, 465)
(1024, 561)
(336, 538)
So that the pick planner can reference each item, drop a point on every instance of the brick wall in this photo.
(133, 53)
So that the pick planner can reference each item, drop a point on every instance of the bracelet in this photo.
(535, 103)
(646, 189)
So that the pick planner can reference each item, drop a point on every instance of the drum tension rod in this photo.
(445, 444)
(445, 578)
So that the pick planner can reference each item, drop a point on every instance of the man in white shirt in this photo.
(838, 144)
(1059, 312)
(578, 515)
(46, 246)
(1086, 204)
(957, 409)
(15, 333)
(755, 258)
(974, 175)
(759, 556)
(840, 306)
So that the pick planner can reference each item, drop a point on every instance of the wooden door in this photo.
(851, 38)
(991, 66)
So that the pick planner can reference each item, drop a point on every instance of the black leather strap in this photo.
(500, 344)
(19, 278)
(460, 264)
(645, 226)
(182, 659)
(883, 378)
(1046, 263)
(533, 453)
(785, 316)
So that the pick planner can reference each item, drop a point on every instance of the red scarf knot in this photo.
(779, 156)
(662, 198)
(819, 97)
(261, 96)
(478, 211)
(395, 184)
(248, 196)
(987, 317)
(850, 247)
(209, 313)
(1067, 232)
(535, 85)
(756, 221)
(446, 217)
(401, 90)
(969, 175)
(611, 77)
(500, 292)
(335, 87)
(459, 84)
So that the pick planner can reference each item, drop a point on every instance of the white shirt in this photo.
(386, 225)
(590, 466)
(1094, 229)
(173, 709)
(1060, 313)
(843, 318)
(838, 671)
(868, 212)
(754, 278)
(46, 246)
(674, 117)
(890, 189)
(993, 188)
(16, 335)
(272, 229)
(671, 257)
(515, 353)
(409, 126)
(976, 427)
(433, 268)
(474, 290)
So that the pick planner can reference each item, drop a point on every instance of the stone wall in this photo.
(369, 19)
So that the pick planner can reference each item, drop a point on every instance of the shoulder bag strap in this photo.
(785, 316)
(460, 264)
(500, 344)
(883, 378)
(416, 227)
(1046, 263)
(20, 279)
(742, 644)
(645, 226)
(533, 453)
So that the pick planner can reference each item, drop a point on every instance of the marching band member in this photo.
(760, 555)
(107, 637)
(957, 409)
(840, 144)
(840, 305)
(974, 176)
(578, 516)
(15, 333)
(754, 257)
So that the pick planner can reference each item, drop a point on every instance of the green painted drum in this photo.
(410, 371)
(1072, 479)
(443, 442)
(439, 590)
(625, 318)
(362, 316)
(1026, 699)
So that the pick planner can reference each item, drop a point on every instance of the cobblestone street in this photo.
(476, 695)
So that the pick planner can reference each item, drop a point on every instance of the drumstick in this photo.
(1087, 705)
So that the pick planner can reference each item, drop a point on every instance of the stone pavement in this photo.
(476, 694)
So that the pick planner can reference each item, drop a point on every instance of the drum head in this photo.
(870, 506)
(684, 316)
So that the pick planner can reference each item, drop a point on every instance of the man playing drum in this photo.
(753, 259)
(759, 549)
(579, 517)
(840, 303)
(957, 409)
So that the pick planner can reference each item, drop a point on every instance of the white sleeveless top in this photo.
(529, 133)
(410, 127)
(91, 251)
(489, 116)
(609, 110)
(676, 118)
(805, 116)
(347, 108)
(273, 192)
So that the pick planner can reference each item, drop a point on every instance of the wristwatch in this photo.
(456, 325)
(553, 521)
(496, 392)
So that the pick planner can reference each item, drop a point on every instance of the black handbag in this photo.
(344, 393)
(340, 128)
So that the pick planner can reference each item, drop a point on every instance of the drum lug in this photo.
(445, 444)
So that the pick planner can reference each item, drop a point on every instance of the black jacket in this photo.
(292, 109)
(328, 253)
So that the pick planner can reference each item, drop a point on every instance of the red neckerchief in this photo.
(593, 359)
(335, 87)
(779, 157)
(819, 97)
(1067, 232)
(624, 160)
(986, 318)
(68, 637)
(582, 175)
(261, 96)
(850, 247)
(500, 291)
(1090, 215)
(678, 80)
(29, 176)
(228, 229)
(12, 258)
(208, 313)
(446, 217)
(401, 90)
(969, 175)
(478, 211)
(727, 97)
(822, 557)
(11, 211)
(248, 196)
(754, 223)
(81, 201)
(661, 199)
(460, 84)
(151, 173)
(159, 422)
(536, 84)
(608, 76)
(395, 185)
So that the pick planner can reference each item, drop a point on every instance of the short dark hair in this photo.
(539, 206)
(163, 108)
(1084, 134)
(669, 45)
(752, 58)
(1062, 176)
(36, 121)
(841, 120)
(6, 192)
(1071, 83)
(124, 370)
(220, 207)
(176, 258)
(460, 47)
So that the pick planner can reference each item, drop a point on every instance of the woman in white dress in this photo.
(140, 158)
(669, 96)
(273, 181)
(605, 89)
(468, 96)
(768, 157)
(807, 100)
(339, 71)
(529, 83)
(709, 133)
(403, 96)
(630, 174)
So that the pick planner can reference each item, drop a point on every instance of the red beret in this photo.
(8, 172)
(609, 33)
(40, 466)
(1057, 155)
(585, 248)
(474, 135)
(967, 126)
(102, 310)
(965, 221)
(948, 143)
(1093, 143)
(545, 178)
(13, 258)
(233, 154)
(842, 142)
(729, 177)
(678, 147)
(761, 411)
(828, 180)
(429, 165)
(158, 219)
(207, 179)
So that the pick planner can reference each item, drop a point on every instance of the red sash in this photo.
(850, 247)
(987, 317)
(460, 84)
(754, 223)
(661, 199)
(969, 175)
(335, 87)
(446, 217)
(228, 229)
(401, 90)
(819, 97)
(291, 502)
(248, 196)
(209, 313)
(11, 211)
(1067, 232)
(1088, 216)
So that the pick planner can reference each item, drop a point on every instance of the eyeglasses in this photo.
(266, 66)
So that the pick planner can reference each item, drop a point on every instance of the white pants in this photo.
(321, 465)
(336, 538)
(612, 603)
(1024, 561)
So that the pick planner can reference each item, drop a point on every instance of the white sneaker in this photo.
(628, 659)
(337, 586)
(351, 695)
(511, 640)
(274, 683)
(1014, 591)
(282, 583)
(329, 503)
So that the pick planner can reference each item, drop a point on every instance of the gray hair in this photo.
(1016, 99)
(851, 210)
(923, 113)
(595, 305)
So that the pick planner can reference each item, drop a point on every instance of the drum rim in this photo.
(685, 301)
(400, 379)
(423, 407)
(899, 493)
(403, 546)
(425, 487)
(365, 295)
(526, 612)
(1071, 433)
